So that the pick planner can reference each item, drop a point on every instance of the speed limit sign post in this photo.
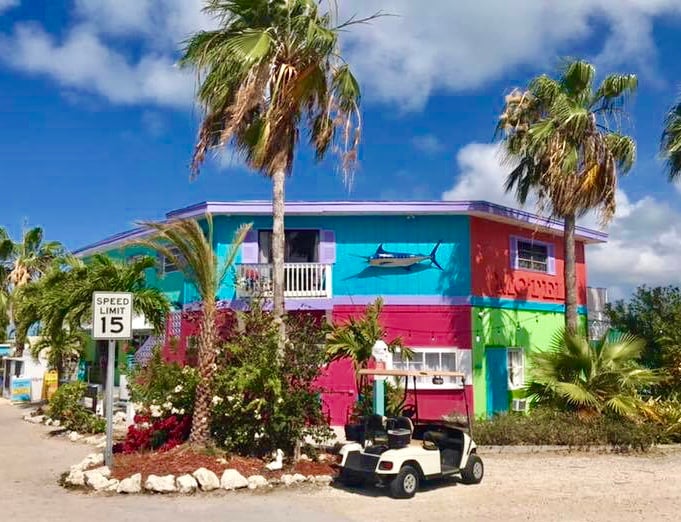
(111, 321)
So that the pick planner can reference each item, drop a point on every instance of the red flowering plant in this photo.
(164, 397)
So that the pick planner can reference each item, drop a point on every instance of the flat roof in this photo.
(483, 209)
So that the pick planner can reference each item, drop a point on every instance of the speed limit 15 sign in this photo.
(112, 315)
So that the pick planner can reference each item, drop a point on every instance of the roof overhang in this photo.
(482, 209)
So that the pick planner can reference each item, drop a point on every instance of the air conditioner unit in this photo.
(519, 405)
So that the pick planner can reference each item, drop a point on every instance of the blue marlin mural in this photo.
(383, 258)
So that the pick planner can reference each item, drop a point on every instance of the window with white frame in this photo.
(529, 254)
(168, 265)
(516, 368)
(431, 359)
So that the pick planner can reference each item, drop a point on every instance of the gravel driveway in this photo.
(546, 487)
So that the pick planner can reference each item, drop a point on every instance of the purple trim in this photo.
(482, 209)
(121, 238)
(404, 300)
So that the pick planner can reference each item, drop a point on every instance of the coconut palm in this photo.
(591, 378)
(670, 144)
(562, 134)
(272, 68)
(28, 259)
(189, 248)
(63, 351)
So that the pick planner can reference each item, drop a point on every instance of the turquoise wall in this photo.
(357, 237)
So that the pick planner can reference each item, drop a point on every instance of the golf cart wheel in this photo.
(474, 470)
(350, 478)
(405, 484)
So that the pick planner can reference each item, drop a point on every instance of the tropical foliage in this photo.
(60, 302)
(591, 378)
(23, 262)
(654, 315)
(355, 340)
(670, 143)
(66, 406)
(271, 69)
(563, 137)
(190, 249)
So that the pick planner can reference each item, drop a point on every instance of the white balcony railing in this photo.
(301, 280)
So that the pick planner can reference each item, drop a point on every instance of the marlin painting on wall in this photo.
(384, 259)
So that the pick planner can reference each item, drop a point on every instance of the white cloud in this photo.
(644, 243)
(8, 4)
(428, 144)
(85, 62)
(455, 46)
(447, 45)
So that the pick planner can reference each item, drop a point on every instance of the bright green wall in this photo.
(496, 327)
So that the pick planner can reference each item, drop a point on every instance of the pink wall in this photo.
(419, 326)
(493, 276)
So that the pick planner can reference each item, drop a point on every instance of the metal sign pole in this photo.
(111, 362)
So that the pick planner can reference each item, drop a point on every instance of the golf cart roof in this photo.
(410, 373)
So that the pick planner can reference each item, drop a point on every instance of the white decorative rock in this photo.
(206, 479)
(74, 436)
(95, 439)
(298, 477)
(56, 423)
(232, 479)
(113, 485)
(93, 459)
(186, 484)
(323, 479)
(310, 478)
(76, 478)
(36, 419)
(287, 480)
(96, 480)
(165, 484)
(131, 484)
(104, 471)
(256, 481)
(47, 422)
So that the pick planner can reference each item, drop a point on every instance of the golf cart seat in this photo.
(441, 440)
(401, 422)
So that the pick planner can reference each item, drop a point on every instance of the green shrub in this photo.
(544, 426)
(66, 405)
(260, 405)
(666, 415)
(163, 389)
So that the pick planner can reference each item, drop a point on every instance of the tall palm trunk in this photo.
(200, 433)
(570, 275)
(278, 251)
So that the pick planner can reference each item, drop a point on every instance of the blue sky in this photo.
(98, 126)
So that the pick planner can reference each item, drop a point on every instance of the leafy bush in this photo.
(264, 401)
(666, 415)
(66, 405)
(544, 426)
(163, 389)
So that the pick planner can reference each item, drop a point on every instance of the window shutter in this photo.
(327, 247)
(513, 254)
(249, 248)
(551, 260)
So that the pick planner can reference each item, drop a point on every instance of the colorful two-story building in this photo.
(493, 295)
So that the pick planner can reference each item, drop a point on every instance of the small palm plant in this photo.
(355, 340)
(190, 248)
(592, 379)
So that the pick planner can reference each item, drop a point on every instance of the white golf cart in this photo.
(401, 453)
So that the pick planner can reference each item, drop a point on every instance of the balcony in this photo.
(301, 280)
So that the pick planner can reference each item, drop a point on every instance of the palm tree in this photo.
(63, 351)
(28, 259)
(591, 378)
(270, 69)
(562, 134)
(189, 248)
(60, 302)
(6, 247)
(670, 144)
(356, 338)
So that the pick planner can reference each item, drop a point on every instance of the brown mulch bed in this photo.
(183, 460)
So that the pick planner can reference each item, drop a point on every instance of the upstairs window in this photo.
(168, 265)
(527, 254)
(302, 246)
